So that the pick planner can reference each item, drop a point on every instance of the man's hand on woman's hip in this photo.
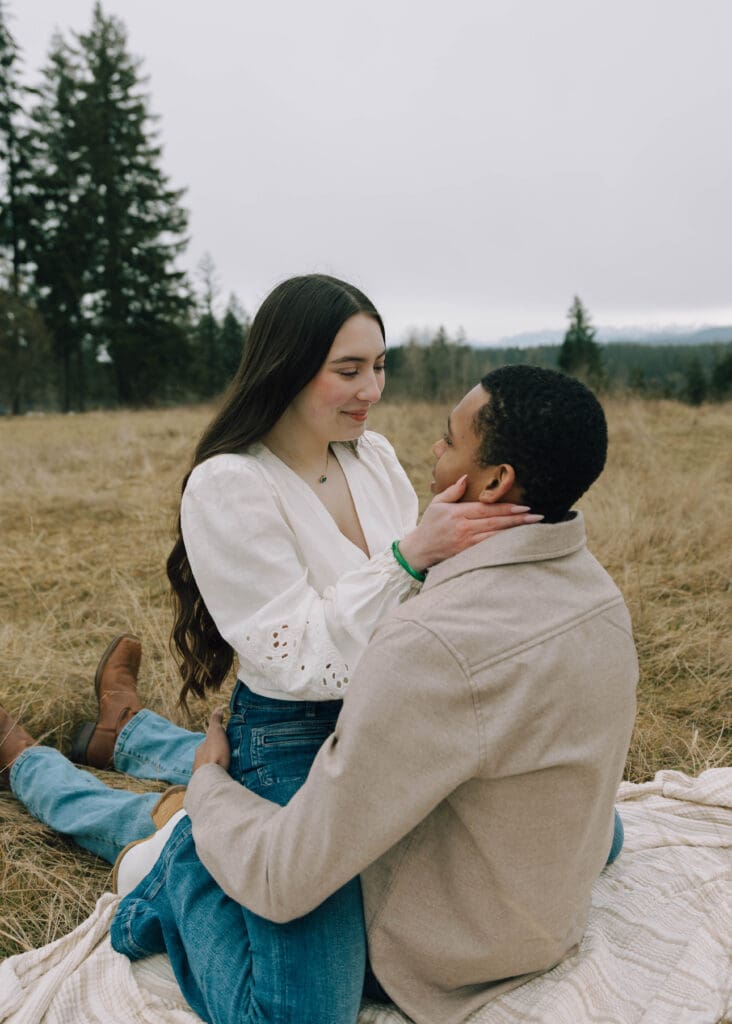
(215, 748)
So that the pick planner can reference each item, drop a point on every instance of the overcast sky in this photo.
(473, 163)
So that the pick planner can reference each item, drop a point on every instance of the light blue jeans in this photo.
(75, 802)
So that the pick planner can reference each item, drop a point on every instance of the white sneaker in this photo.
(138, 858)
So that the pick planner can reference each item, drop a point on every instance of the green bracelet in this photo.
(419, 576)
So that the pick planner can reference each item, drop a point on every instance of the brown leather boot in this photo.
(115, 684)
(13, 741)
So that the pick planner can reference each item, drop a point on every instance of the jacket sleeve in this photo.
(407, 736)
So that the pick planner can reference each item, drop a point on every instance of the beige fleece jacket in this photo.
(470, 780)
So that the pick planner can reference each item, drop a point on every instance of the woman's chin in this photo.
(351, 431)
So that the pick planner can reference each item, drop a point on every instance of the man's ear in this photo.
(500, 480)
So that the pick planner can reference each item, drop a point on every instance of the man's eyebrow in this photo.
(357, 359)
(449, 426)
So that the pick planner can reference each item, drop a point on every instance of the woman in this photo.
(288, 554)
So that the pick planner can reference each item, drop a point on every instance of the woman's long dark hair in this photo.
(288, 342)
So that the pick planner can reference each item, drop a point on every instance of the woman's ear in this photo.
(498, 482)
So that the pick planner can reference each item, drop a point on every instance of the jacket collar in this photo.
(537, 542)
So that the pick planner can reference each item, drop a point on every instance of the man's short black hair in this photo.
(550, 428)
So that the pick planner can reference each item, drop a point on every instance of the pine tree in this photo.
(62, 229)
(24, 354)
(108, 227)
(23, 340)
(233, 338)
(143, 299)
(13, 159)
(580, 354)
(695, 382)
(217, 345)
(207, 340)
(721, 378)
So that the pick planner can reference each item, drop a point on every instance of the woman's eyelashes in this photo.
(354, 373)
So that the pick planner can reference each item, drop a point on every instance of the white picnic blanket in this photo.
(658, 946)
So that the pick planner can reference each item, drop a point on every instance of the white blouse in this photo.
(293, 596)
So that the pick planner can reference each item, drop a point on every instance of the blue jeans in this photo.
(77, 804)
(618, 837)
(232, 965)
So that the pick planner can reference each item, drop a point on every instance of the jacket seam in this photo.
(456, 656)
(525, 645)
(550, 634)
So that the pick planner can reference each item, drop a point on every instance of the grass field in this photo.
(87, 505)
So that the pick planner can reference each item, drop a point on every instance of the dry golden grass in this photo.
(87, 505)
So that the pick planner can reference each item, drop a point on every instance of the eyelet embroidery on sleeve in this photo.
(318, 658)
(296, 653)
(279, 642)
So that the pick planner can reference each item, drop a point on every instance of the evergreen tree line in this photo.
(93, 310)
(441, 368)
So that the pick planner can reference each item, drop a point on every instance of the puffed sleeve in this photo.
(290, 639)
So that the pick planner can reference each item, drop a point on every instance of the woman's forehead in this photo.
(359, 338)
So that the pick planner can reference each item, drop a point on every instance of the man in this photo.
(471, 777)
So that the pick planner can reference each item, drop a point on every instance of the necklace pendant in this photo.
(322, 479)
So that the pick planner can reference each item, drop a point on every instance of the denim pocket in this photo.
(283, 751)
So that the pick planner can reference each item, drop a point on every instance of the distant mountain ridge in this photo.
(628, 335)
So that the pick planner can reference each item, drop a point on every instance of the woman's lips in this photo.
(358, 416)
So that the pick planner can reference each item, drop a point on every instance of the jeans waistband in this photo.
(243, 697)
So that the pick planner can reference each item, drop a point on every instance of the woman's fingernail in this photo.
(519, 508)
(533, 518)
